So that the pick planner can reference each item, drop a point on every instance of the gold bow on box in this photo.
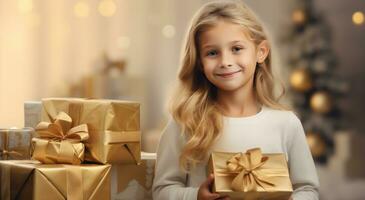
(59, 142)
(251, 175)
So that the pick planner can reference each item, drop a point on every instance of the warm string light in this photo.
(299, 16)
(25, 6)
(168, 31)
(107, 8)
(358, 18)
(81, 9)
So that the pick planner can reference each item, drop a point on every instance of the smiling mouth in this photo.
(228, 74)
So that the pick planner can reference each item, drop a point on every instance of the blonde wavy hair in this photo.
(193, 105)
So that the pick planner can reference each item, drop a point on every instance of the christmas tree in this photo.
(315, 87)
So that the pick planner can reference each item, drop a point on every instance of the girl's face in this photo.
(229, 57)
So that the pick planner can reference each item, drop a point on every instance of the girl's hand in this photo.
(204, 192)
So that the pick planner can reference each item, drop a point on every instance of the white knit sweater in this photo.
(272, 130)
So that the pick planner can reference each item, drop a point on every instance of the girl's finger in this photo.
(214, 196)
(209, 180)
(224, 198)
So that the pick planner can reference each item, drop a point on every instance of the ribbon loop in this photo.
(64, 121)
(61, 129)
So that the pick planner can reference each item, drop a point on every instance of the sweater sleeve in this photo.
(301, 165)
(170, 181)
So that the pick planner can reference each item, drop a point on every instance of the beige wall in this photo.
(44, 50)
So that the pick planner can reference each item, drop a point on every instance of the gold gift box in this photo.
(15, 143)
(113, 126)
(31, 180)
(274, 171)
(134, 181)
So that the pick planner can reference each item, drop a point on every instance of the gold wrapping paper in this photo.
(127, 173)
(15, 143)
(59, 142)
(143, 173)
(114, 127)
(130, 181)
(250, 175)
(31, 180)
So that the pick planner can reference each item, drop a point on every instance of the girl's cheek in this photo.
(210, 61)
(205, 64)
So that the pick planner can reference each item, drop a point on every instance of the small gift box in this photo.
(250, 175)
(113, 126)
(31, 180)
(15, 143)
(59, 142)
(32, 113)
(130, 181)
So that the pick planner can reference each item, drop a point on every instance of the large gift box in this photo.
(31, 180)
(250, 175)
(113, 129)
(134, 182)
(15, 143)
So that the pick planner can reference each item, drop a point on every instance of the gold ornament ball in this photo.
(301, 80)
(316, 144)
(321, 102)
(299, 17)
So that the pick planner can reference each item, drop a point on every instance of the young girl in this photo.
(225, 102)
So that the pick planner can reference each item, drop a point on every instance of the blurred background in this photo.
(124, 49)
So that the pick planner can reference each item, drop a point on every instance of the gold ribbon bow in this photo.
(247, 165)
(61, 130)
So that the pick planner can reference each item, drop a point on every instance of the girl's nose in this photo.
(226, 60)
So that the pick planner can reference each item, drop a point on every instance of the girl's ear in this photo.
(263, 50)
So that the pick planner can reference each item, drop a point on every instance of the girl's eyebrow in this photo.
(213, 45)
(208, 46)
(238, 41)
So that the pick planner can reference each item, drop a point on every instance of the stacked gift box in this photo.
(76, 142)
(14, 143)
(90, 149)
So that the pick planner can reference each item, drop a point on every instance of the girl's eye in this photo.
(236, 49)
(212, 53)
